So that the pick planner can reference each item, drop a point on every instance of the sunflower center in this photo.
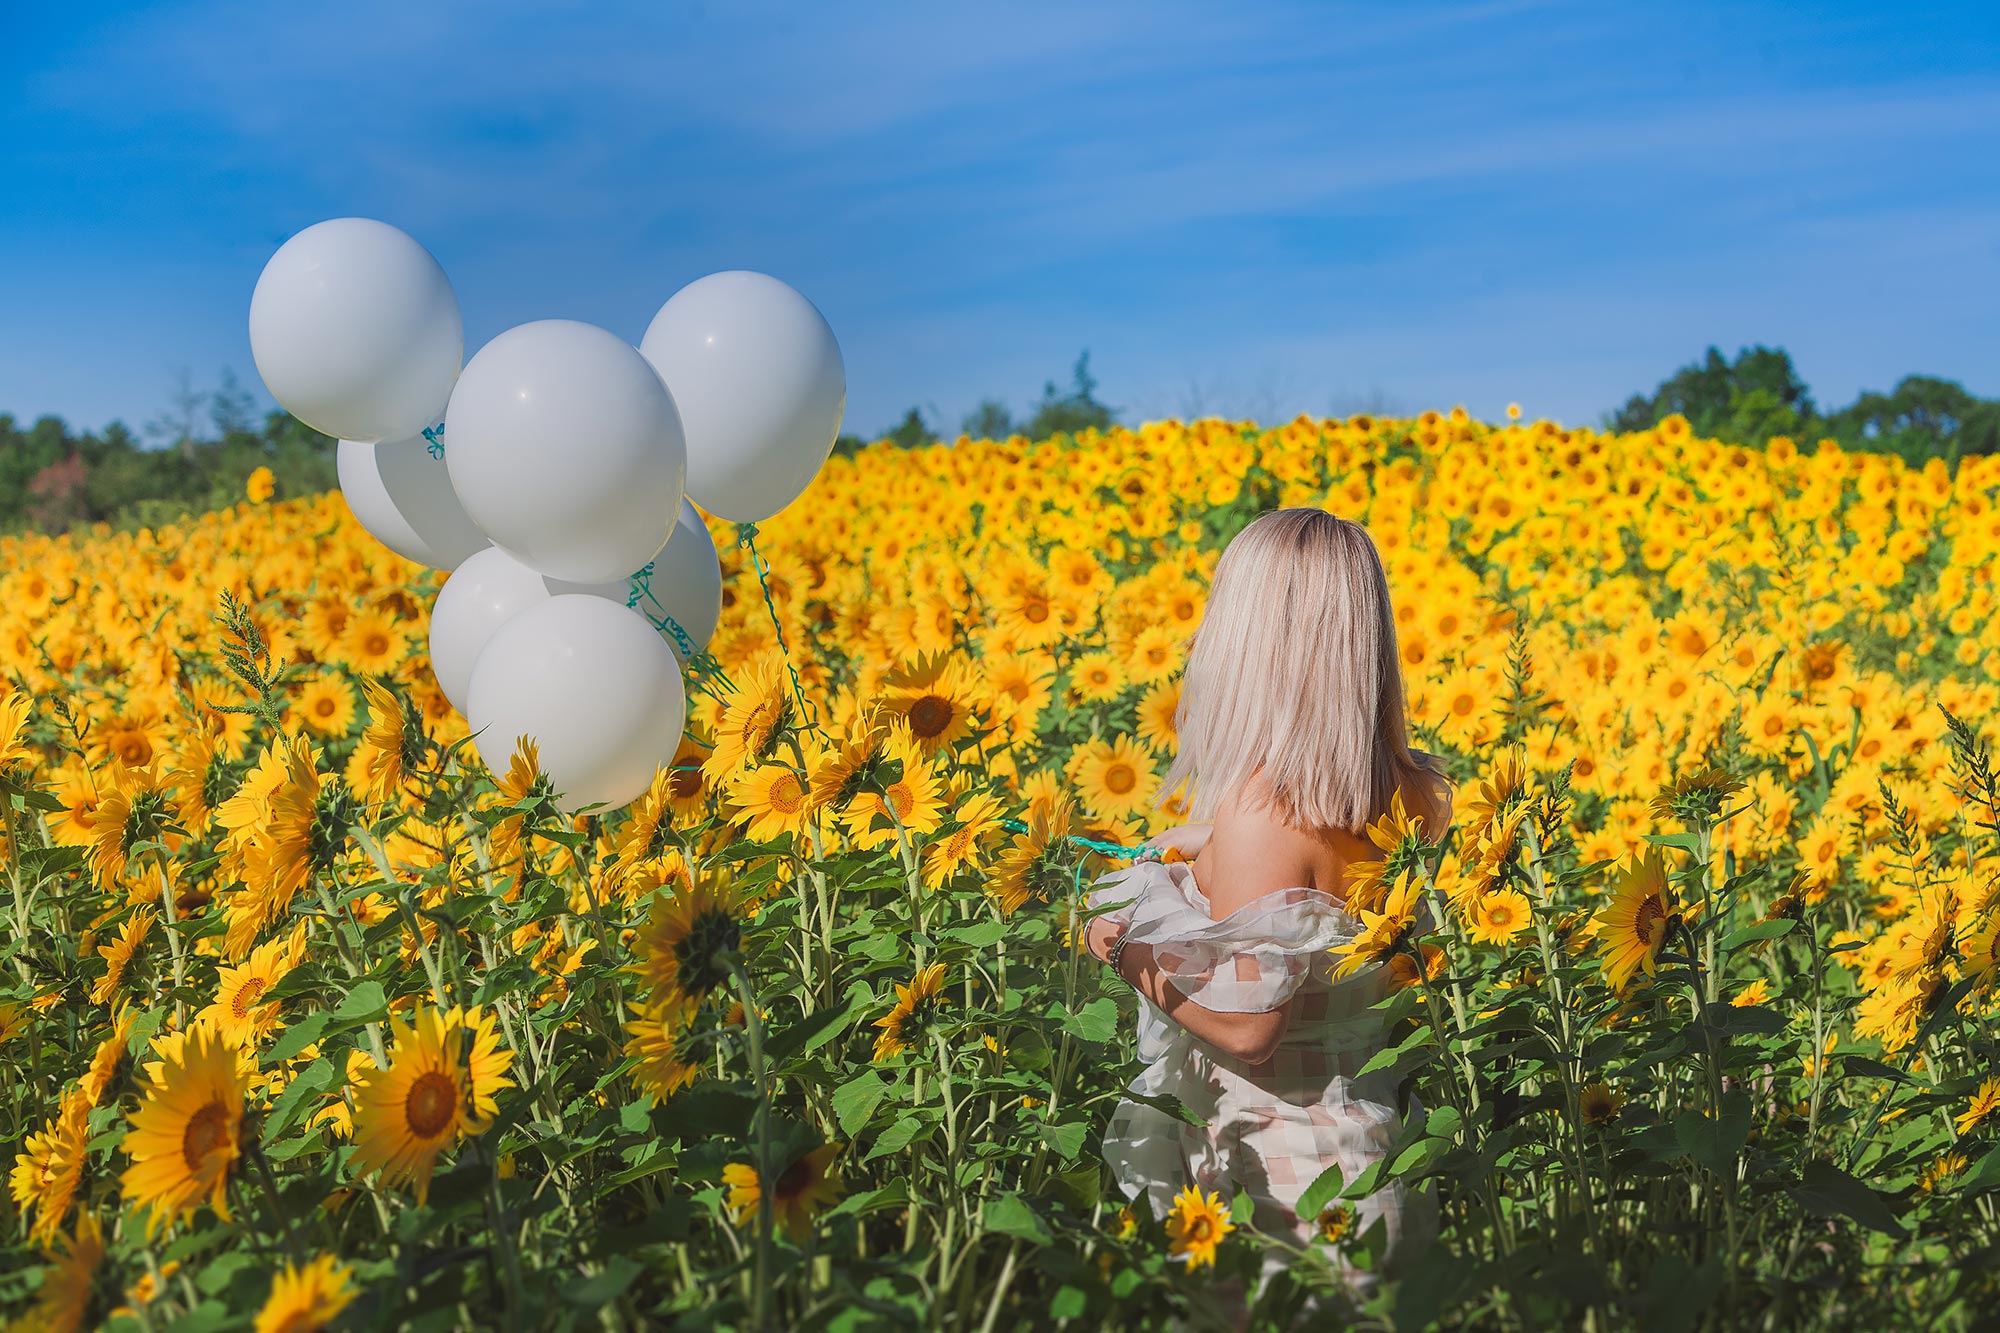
(252, 991)
(1199, 1229)
(1120, 779)
(1650, 922)
(134, 750)
(708, 934)
(787, 797)
(929, 716)
(324, 707)
(428, 1108)
(207, 1130)
(793, 1180)
(375, 645)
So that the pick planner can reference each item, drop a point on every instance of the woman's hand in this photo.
(1187, 839)
(1100, 934)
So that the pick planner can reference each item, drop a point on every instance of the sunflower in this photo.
(200, 776)
(754, 719)
(110, 1052)
(1114, 778)
(133, 809)
(326, 705)
(1984, 1102)
(307, 1299)
(1599, 1104)
(1096, 677)
(1336, 1223)
(915, 1008)
(977, 817)
(1497, 791)
(392, 744)
(303, 832)
(1033, 866)
(935, 697)
(776, 798)
(1196, 1226)
(373, 642)
(1399, 836)
(442, 1076)
(915, 796)
(186, 1135)
(1402, 969)
(1757, 992)
(1384, 932)
(1697, 797)
(1158, 708)
(63, 1301)
(663, 1059)
(529, 790)
(119, 953)
(1154, 655)
(1499, 917)
(1027, 615)
(50, 1165)
(242, 1007)
(17, 754)
(679, 946)
(1634, 925)
(802, 1189)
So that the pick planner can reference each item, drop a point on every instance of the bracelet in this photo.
(1116, 952)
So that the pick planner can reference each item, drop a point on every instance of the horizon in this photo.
(1469, 204)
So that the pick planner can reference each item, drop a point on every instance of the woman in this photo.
(1293, 740)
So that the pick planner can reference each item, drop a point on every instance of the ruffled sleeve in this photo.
(1250, 961)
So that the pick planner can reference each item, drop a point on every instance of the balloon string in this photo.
(1108, 848)
(746, 535)
(707, 670)
(435, 434)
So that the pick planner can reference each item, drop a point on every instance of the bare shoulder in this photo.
(1252, 853)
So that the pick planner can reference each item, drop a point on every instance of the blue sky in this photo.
(1242, 208)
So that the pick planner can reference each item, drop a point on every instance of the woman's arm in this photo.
(1251, 1038)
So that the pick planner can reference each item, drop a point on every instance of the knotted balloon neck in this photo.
(435, 436)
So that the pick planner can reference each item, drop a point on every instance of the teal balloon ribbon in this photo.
(746, 535)
(435, 434)
(707, 670)
(1108, 848)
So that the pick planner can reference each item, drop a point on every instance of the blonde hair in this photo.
(1294, 673)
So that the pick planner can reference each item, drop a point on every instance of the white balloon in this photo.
(356, 330)
(682, 586)
(481, 595)
(595, 688)
(401, 493)
(760, 384)
(566, 450)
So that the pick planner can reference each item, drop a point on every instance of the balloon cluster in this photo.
(581, 576)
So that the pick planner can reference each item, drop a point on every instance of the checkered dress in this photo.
(1272, 1128)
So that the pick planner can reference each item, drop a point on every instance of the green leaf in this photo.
(1827, 1191)
(855, 1100)
(1686, 842)
(1240, 1208)
(895, 1138)
(1984, 1175)
(807, 1035)
(1066, 1139)
(600, 1289)
(1095, 1022)
(1009, 1215)
(366, 1003)
(1861, 1064)
(297, 1037)
(315, 1078)
(873, 1201)
(980, 935)
(1069, 1303)
(1759, 930)
(1324, 1190)
(1714, 1141)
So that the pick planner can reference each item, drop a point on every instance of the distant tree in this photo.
(1751, 399)
(1073, 411)
(989, 421)
(912, 432)
(1922, 417)
(180, 425)
(232, 407)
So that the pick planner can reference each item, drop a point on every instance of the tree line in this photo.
(199, 454)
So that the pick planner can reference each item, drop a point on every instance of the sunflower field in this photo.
(308, 1020)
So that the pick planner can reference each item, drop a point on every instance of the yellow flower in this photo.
(1599, 1104)
(392, 744)
(776, 798)
(916, 1005)
(1757, 992)
(440, 1084)
(1196, 1226)
(1499, 917)
(187, 1135)
(118, 954)
(326, 706)
(802, 1189)
(307, 1299)
(678, 949)
(663, 1062)
(64, 1297)
(46, 1173)
(1983, 1103)
(1640, 914)
(260, 486)
(1383, 933)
